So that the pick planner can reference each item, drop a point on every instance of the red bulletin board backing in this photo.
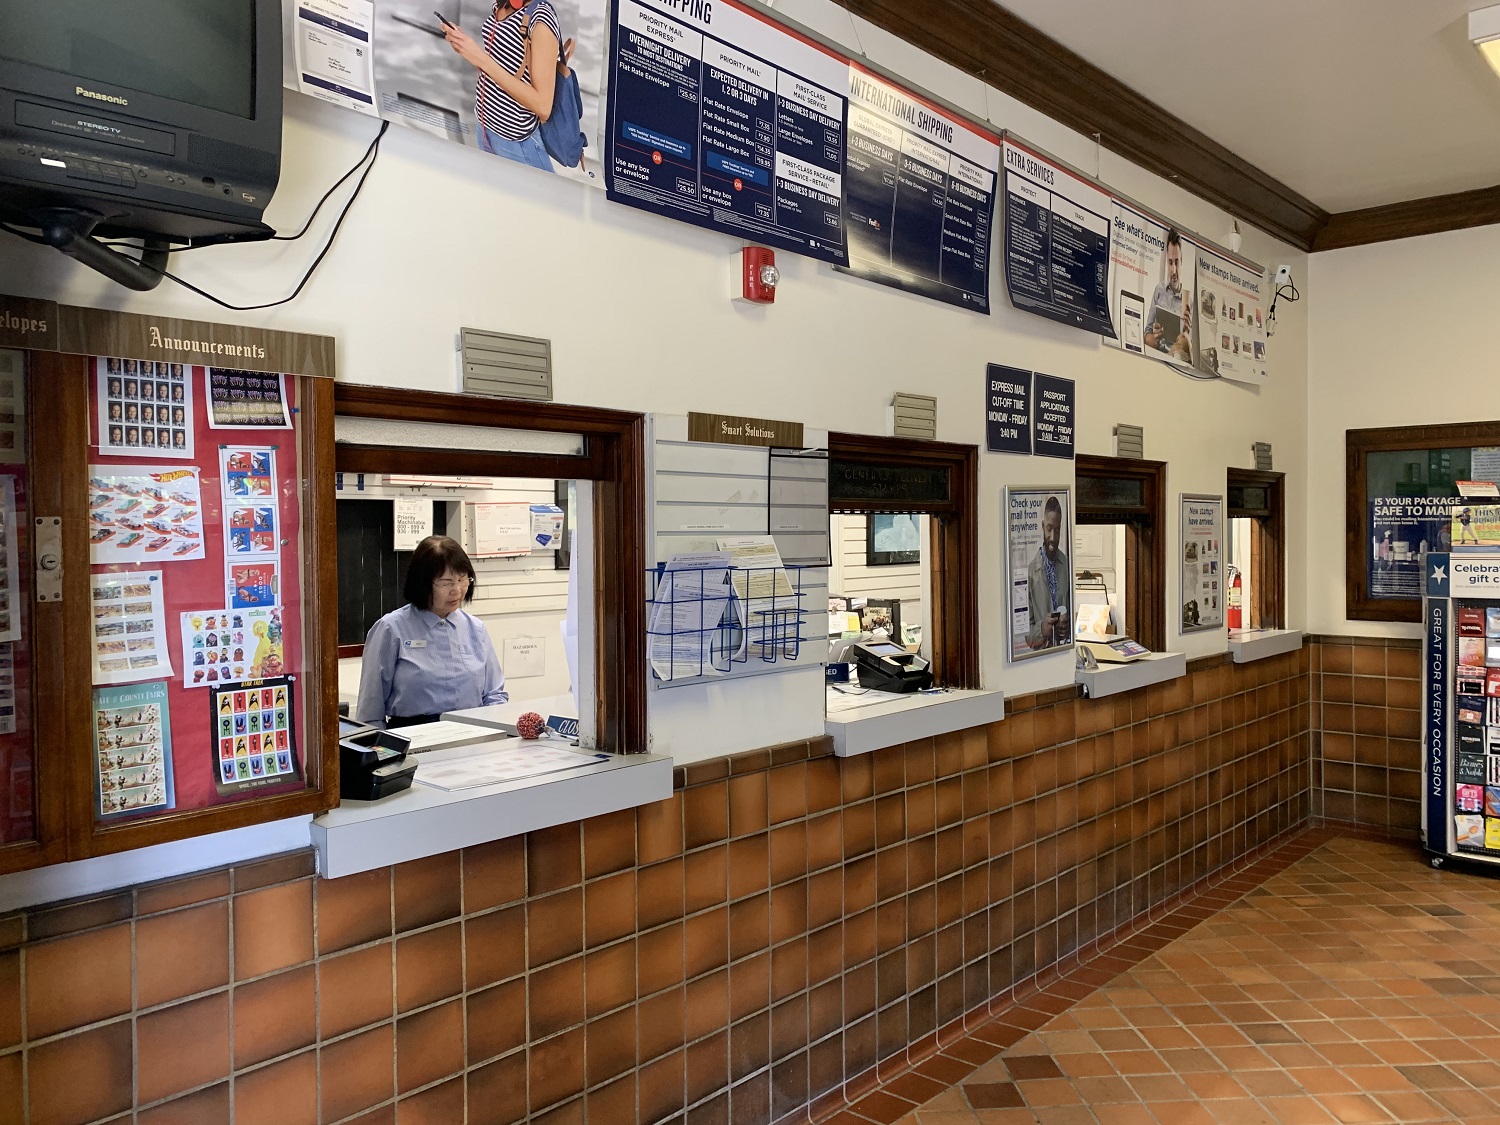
(199, 584)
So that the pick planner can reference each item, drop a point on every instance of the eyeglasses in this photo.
(448, 585)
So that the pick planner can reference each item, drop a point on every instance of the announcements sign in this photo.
(1057, 237)
(919, 193)
(721, 118)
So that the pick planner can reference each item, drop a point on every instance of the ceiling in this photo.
(1352, 103)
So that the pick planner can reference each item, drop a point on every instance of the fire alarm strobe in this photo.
(757, 276)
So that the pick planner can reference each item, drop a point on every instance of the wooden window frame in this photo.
(953, 533)
(613, 459)
(1145, 578)
(1267, 545)
(1358, 445)
(63, 777)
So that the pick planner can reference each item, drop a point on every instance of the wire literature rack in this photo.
(702, 621)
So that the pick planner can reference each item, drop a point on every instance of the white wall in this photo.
(1400, 333)
(637, 310)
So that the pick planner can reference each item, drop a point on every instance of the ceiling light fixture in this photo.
(1484, 32)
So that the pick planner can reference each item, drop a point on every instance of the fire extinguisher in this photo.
(1236, 599)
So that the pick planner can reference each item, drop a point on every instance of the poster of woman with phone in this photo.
(519, 61)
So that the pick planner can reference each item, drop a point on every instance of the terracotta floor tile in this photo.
(1339, 980)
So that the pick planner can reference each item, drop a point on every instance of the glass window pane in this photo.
(17, 793)
(197, 615)
(1109, 492)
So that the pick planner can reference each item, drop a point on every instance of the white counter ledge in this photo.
(422, 821)
(859, 724)
(1258, 644)
(1111, 679)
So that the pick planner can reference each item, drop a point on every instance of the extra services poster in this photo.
(1057, 240)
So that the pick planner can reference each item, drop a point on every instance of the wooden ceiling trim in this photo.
(1410, 219)
(981, 38)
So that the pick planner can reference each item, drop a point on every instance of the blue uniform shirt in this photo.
(417, 663)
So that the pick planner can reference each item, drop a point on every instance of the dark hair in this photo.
(1174, 238)
(1052, 505)
(434, 555)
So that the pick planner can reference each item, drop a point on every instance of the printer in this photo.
(373, 763)
(886, 666)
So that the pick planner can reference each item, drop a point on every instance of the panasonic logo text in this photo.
(98, 97)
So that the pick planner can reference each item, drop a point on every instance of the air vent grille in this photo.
(1130, 441)
(505, 366)
(914, 416)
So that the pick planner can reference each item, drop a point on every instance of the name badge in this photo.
(415, 644)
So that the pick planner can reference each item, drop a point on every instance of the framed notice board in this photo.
(1401, 482)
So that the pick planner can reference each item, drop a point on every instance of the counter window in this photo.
(453, 511)
(488, 574)
(879, 580)
(904, 543)
(1120, 545)
(1257, 550)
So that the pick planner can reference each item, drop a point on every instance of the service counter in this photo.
(1258, 644)
(1111, 679)
(427, 819)
(860, 722)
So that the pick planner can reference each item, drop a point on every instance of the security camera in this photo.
(1283, 276)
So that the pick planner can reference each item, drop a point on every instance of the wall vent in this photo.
(1130, 441)
(1262, 450)
(913, 416)
(505, 366)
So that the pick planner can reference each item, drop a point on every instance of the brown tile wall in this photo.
(780, 925)
(1367, 747)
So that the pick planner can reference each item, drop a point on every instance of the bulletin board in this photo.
(210, 592)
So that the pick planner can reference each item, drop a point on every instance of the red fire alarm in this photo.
(758, 276)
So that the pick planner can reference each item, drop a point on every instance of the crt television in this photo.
(156, 119)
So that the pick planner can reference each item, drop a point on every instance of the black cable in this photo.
(38, 239)
(1292, 295)
(374, 144)
(373, 154)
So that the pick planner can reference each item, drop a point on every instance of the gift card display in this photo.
(1469, 830)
